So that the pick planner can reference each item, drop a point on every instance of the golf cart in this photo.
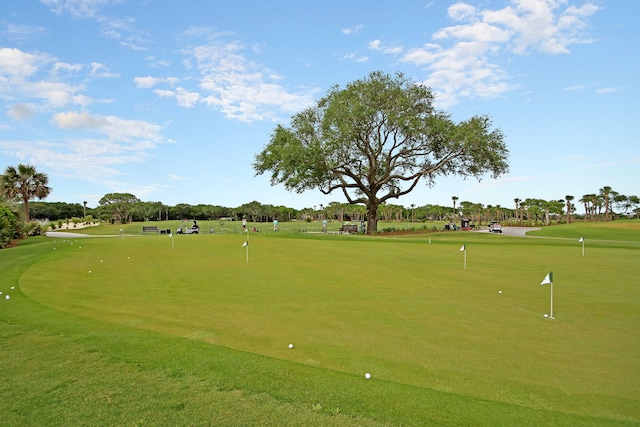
(495, 227)
(195, 228)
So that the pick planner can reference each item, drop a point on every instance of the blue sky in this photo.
(170, 100)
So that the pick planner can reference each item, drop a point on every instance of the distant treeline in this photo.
(124, 207)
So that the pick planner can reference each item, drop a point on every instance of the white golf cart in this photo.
(495, 227)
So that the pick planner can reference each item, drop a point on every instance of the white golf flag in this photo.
(581, 240)
(548, 279)
(245, 244)
(463, 248)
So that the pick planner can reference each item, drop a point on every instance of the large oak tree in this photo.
(376, 140)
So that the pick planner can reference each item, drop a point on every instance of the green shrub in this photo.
(33, 229)
(8, 227)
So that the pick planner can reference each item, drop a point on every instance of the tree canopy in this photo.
(119, 206)
(24, 183)
(376, 140)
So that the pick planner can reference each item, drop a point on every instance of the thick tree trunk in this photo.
(372, 217)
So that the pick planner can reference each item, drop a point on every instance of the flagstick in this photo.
(548, 280)
(551, 314)
(247, 245)
(582, 247)
(465, 259)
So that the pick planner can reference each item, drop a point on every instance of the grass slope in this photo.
(193, 334)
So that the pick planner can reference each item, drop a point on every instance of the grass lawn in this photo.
(182, 330)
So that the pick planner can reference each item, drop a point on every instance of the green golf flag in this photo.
(548, 279)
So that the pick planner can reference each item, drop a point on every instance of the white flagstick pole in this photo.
(247, 245)
(465, 257)
(464, 249)
(548, 280)
(582, 238)
(551, 314)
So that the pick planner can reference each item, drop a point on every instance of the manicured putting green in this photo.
(403, 309)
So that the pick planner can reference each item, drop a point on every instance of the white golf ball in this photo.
(499, 292)
(13, 287)
(7, 297)
(290, 345)
(546, 315)
(89, 271)
(367, 376)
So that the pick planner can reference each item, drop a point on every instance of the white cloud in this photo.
(355, 57)
(147, 82)
(542, 24)
(607, 90)
(175, 177)
(23, 33)
(352, 30)
(42, 80)
(150, 81)
(19, 64)
(576, 87)
(21, 111)
(388, 50)
(88, 159)
(94, 147)
(122, 29)
(183, 97)
(55, 94)
(138, 133)
(101, 71)
(477, 31)
(461, 60)
(78, 8)
(462, 12)
(242, 89)
(67, 68)
(154, 62)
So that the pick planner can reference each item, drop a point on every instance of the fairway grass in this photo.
(183, 330)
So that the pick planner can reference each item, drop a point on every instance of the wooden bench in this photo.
(149, 229)
(349, 228)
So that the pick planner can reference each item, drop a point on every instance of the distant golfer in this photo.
(275, 225)
(244, 223)
(324, 225)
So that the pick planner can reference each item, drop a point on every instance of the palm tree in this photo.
(596, 202)
(24, 183)
(568, 199)
(585, 201)
(604, 193)
(454, 198)
(517, 202)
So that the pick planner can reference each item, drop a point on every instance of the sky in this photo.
(171, 100)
